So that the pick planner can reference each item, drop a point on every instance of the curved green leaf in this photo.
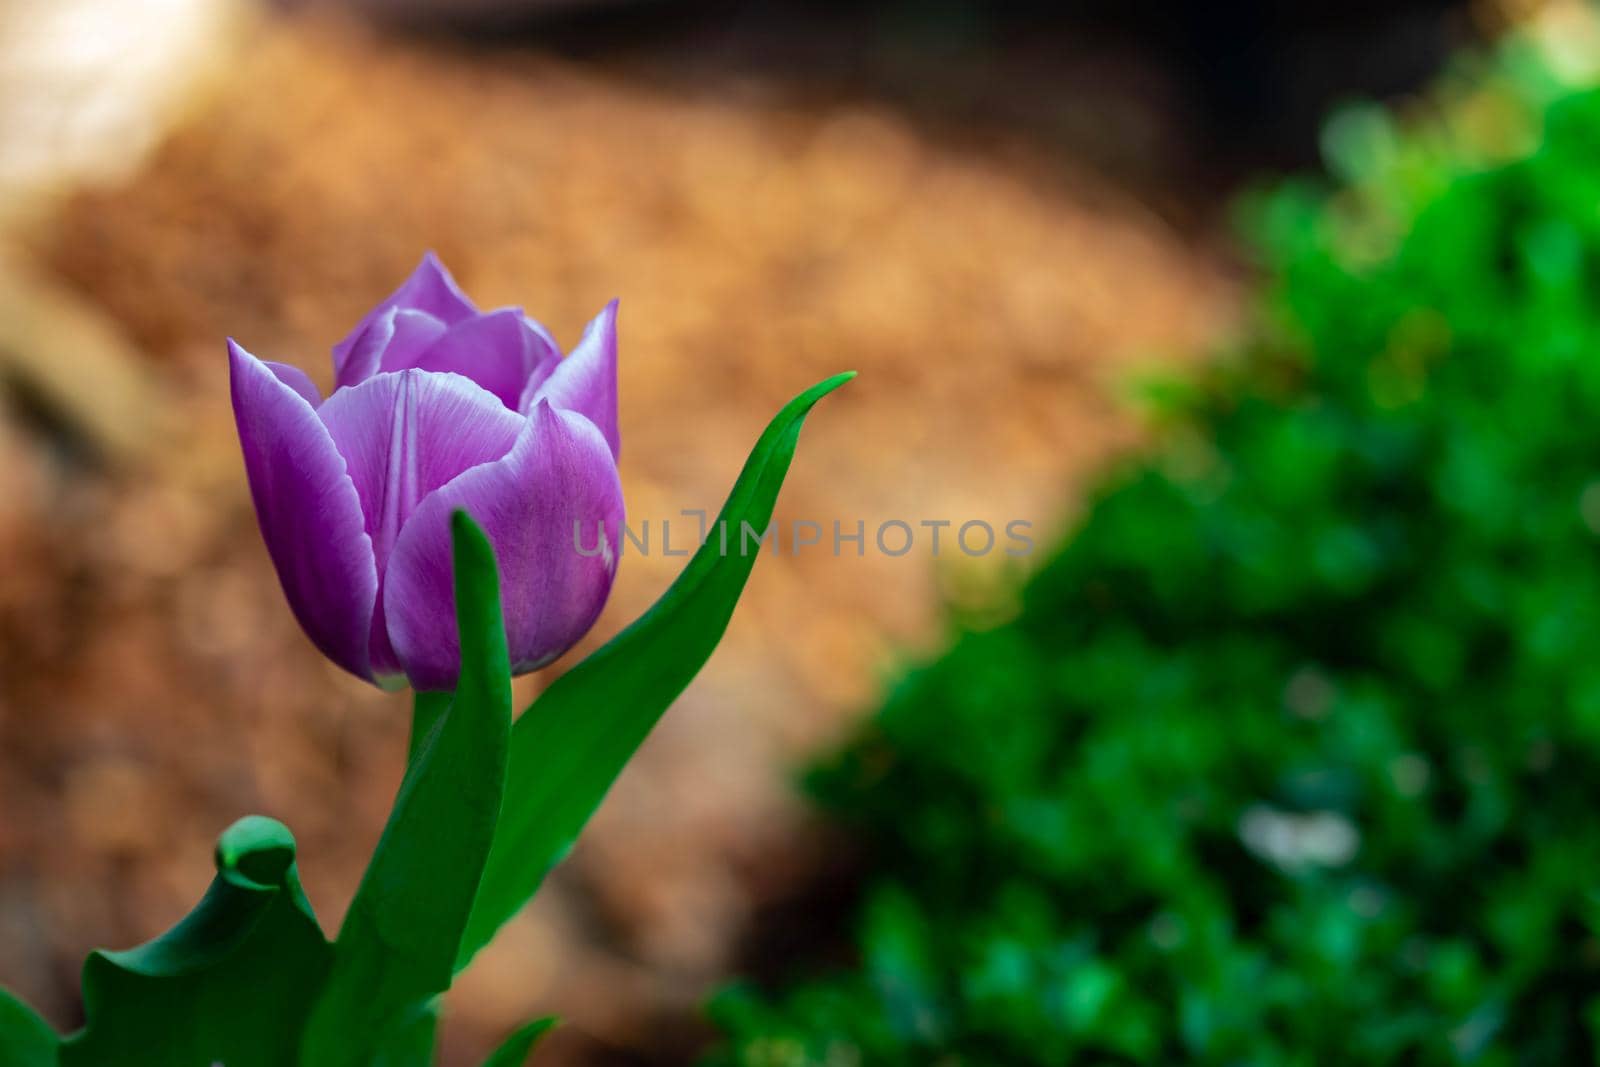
(251, 941)
(516, 1049)
(570, 746)
(25, 1039)
(402, 932)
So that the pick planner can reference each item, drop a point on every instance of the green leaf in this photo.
(516, 1049)
(25, 1039)
(426, 711)
(410, 1042)
(404, 926)
(570, 746)
(232, 983)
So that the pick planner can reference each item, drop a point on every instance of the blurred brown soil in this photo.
(152, 683)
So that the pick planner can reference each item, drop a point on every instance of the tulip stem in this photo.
(426, 711)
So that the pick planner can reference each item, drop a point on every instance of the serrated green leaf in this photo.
(25, 1039)
(402, 932)
(179, 999)
(515, 1050)
(570, 746)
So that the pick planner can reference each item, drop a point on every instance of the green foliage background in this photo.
(1292, 755)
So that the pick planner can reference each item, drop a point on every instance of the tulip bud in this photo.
(436, 406)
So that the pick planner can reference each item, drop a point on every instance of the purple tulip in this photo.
(436, 406)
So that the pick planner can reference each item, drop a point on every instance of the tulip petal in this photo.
(558, 479)
(298, 380)
(392, 341)
(430, 289)
(414, 333)
(404, 434)
(544, 335)
(360, 360)
(498, 350)
(309, 511)
(586, 381)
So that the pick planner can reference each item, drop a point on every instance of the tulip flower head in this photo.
(436, 406)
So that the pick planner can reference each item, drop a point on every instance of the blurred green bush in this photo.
(1292, 756)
